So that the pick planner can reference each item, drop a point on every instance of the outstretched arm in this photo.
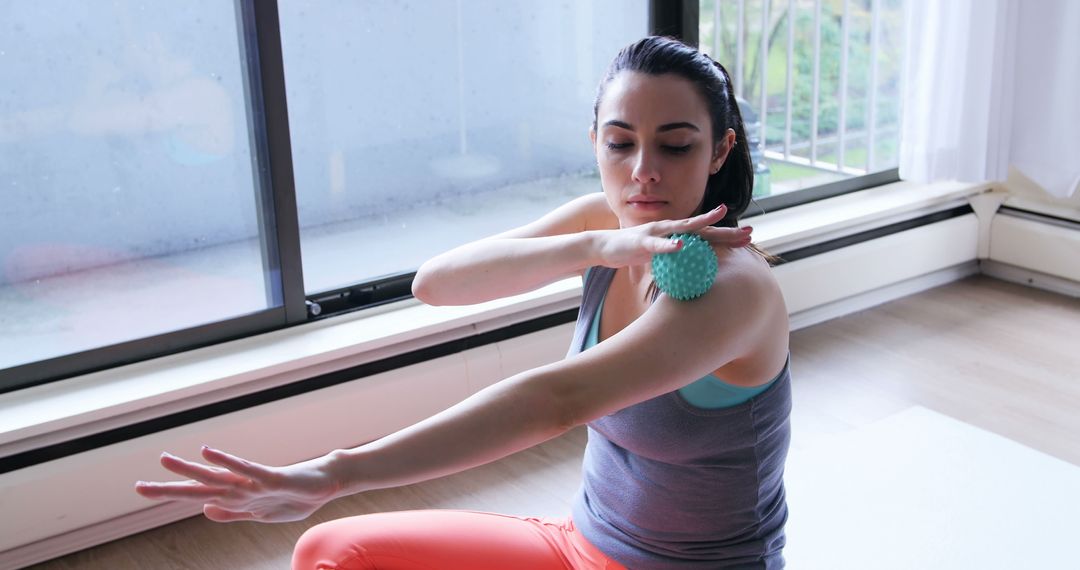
(661, 351)
(670, 346)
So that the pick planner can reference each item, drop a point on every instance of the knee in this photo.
(325, 547)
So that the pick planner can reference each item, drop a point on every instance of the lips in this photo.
(647, 204)
(645, 201)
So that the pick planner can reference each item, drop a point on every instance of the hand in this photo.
(240, 490)
(637, 245)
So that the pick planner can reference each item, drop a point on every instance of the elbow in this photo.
(564, 418)
(568, 421)
(423, 289)
(570, 416)
(576, 402)
(567, 411)
(420, 289)
(550, 406)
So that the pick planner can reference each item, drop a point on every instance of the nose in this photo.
(646, 169)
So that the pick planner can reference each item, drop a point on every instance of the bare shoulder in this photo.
(743, 259)
(741, 267)
(747, 293)
(745, 278)
(743, 282)
(743, 290)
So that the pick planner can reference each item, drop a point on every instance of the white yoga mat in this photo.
(919, 490)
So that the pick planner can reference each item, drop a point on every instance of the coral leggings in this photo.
(447, 540)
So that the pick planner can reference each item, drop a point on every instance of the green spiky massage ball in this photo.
(687, 273)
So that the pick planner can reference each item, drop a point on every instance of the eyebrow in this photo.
(660, 129)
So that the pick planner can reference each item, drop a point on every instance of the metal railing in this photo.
(782, 149)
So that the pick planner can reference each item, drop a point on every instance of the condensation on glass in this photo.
(419, 125)
(127, 195)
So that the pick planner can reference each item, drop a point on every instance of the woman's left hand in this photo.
(721, 236)
(702, 226)
(241, 490)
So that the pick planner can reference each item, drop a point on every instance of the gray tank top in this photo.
(667, 485)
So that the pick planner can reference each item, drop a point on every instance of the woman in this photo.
(687, 402)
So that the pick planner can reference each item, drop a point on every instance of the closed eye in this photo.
(619, 146)
(678, 149)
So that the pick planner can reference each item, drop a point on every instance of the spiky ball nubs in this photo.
(687, 273)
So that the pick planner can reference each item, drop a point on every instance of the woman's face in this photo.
(654, 146)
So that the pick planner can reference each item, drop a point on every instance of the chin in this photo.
(636, 218)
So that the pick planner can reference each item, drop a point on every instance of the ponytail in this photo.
(733, 184)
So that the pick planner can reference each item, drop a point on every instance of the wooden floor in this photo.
(993, 354)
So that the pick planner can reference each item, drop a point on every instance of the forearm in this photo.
(501, 267)
(504, 418)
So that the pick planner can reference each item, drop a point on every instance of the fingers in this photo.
(690, 225)
(218, 514)
(206, 482)
(174, 491)
(177, 490)
(663, 245)
(731, 237)
(237, 465)
(199, 472)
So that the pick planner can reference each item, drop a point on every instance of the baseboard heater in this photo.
(1035, 249)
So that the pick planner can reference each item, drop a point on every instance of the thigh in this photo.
(443, 540)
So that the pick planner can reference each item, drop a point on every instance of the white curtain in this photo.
(992, 83)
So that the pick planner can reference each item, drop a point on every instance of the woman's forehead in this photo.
(652, 100)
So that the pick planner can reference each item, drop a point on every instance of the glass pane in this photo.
(796, 140)
(418, 125)
(128, 197)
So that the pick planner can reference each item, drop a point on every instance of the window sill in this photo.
(60, 411)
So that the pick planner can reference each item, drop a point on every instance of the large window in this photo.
(419, 125)
(818, 82)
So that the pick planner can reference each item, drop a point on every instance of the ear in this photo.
(721, 151)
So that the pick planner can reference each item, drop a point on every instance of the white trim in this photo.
(1030, 278)
(870, 265)
(863, 301)
(1059, 209)
(808, 224)
(1049, 246)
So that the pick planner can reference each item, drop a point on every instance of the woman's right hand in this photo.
(242, 490)
(636, 245)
